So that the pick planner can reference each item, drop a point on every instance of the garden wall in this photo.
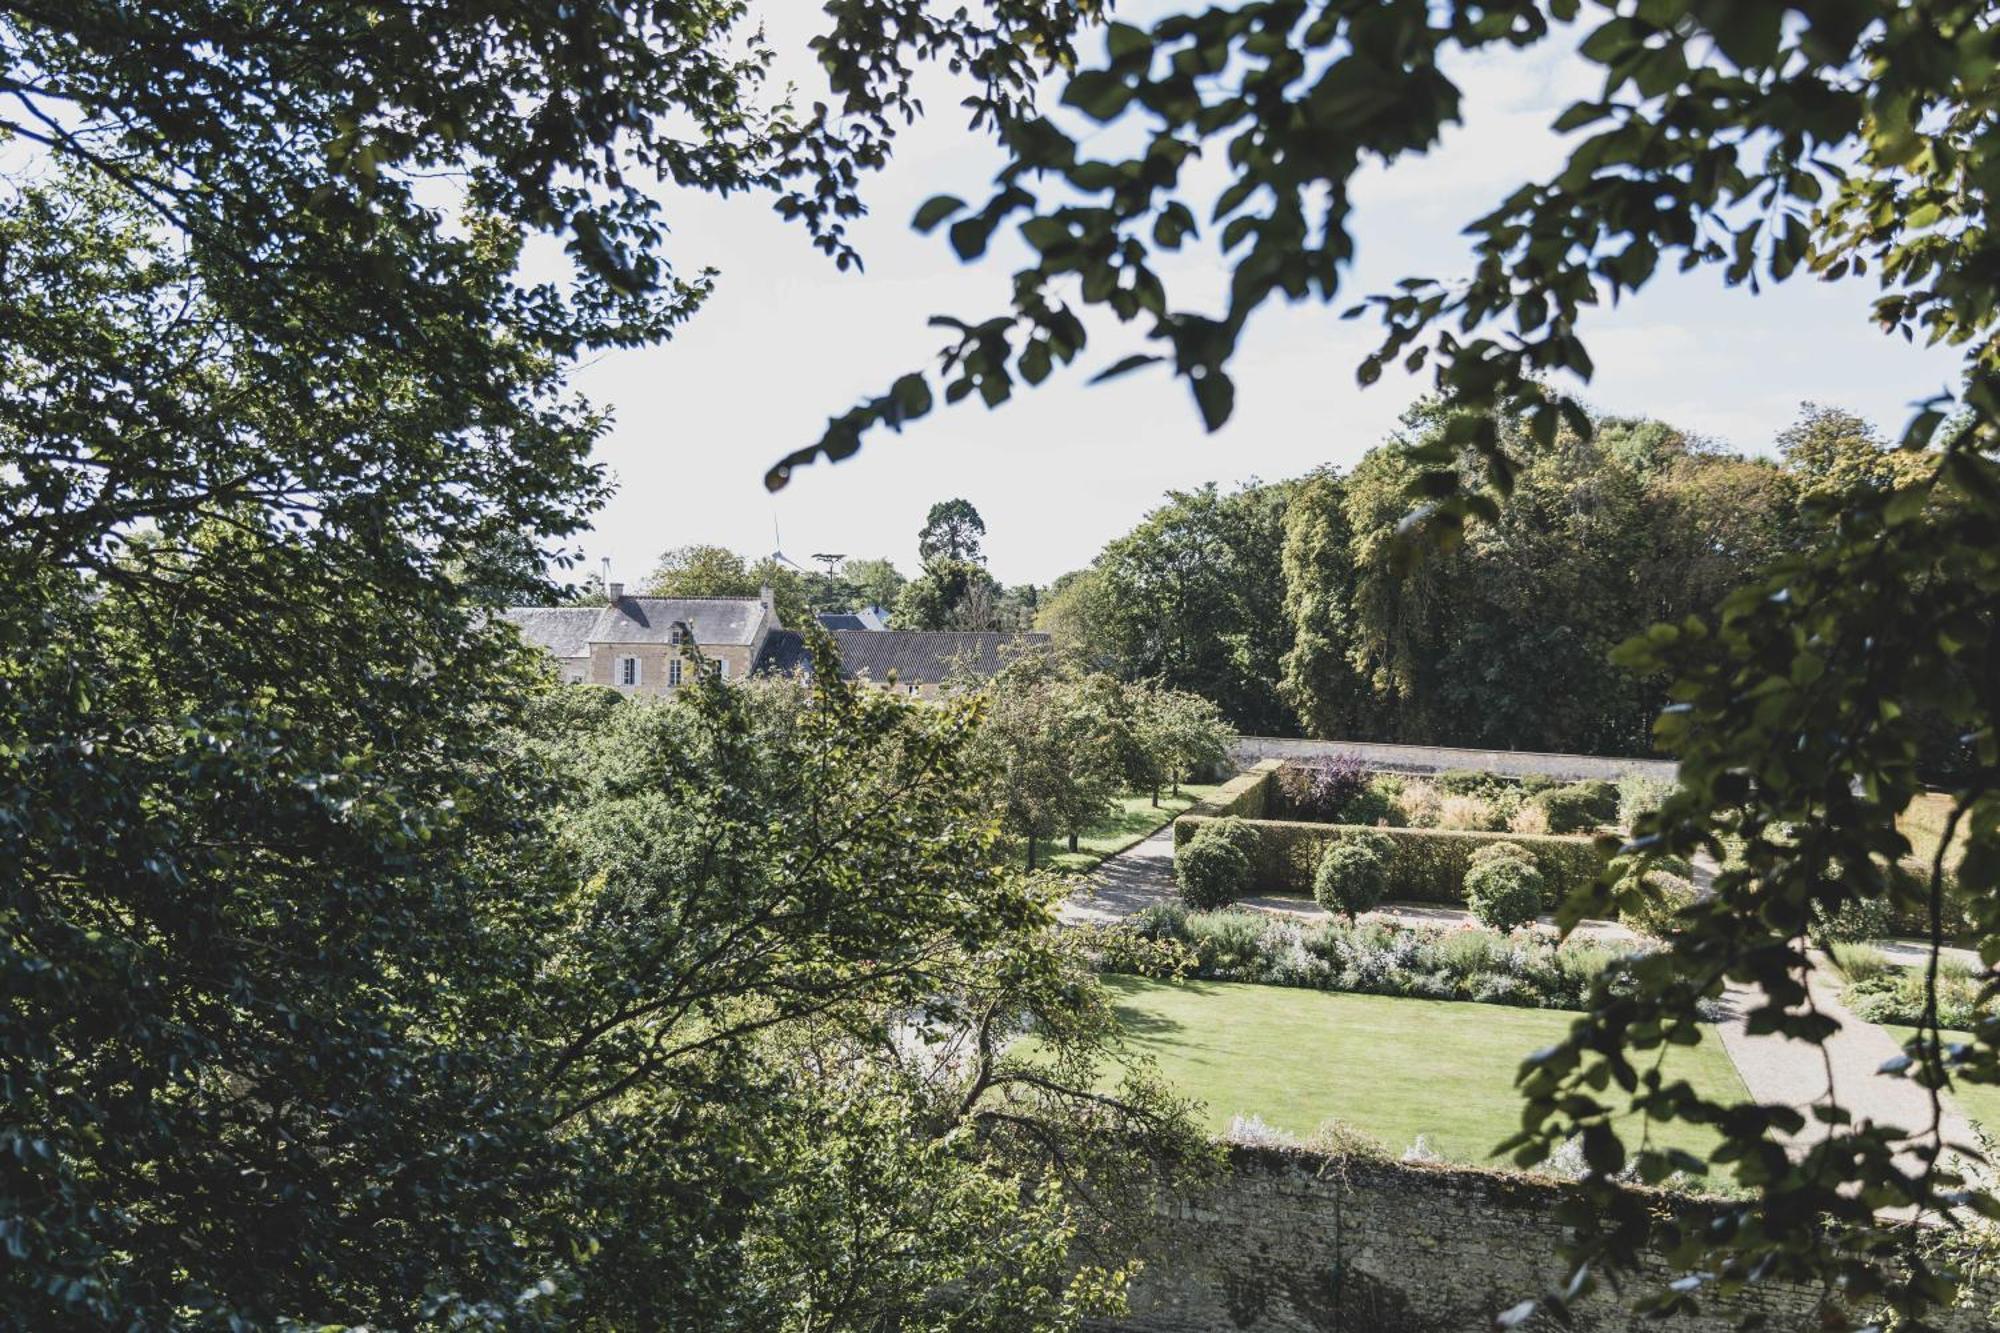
(1439, 759)
(1294, 1242)
(1428, 865)
(1247, 795)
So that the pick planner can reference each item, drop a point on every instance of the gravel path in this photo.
(1777, 1070)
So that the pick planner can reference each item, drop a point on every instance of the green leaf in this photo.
(935, 210)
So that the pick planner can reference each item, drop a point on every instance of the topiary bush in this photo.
(1353, 873)
(1429, 865)
(1504, 892)
(1571, 809)
(1499, 851)
(1211, 869)
(1651, 901)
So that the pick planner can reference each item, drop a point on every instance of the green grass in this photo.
(1131, 819)
(1980, 1101)
(1392, 1068)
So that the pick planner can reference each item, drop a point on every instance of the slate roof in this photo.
(850, 620)
(561, 631)
(568, 631)
(917, 657)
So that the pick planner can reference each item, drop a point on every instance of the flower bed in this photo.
(1528, 969)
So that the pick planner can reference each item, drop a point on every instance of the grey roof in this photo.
(563, 631)
(730, 620)
(567, 631)
(869, 618)
(917, 657)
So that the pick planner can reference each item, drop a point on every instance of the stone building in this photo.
(641, 644)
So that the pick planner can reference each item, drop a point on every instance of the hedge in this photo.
(1247, 795)
(1427, 866)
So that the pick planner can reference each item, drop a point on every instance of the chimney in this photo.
(767, 597)
(615, 591)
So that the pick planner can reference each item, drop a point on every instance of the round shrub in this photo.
(1236, 832)
(1602, 796)
(1212, 871)
(1570, 809)
(1353, 873)
(1500, 851)
(1467, 782)
(1652, 901)
(1504, 892)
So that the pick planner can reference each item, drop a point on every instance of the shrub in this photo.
(1419, 803)
(1504, 892)
(1602, 796)
(1465, 812)
(1569, 809)
(1497, 851)
(1651, 901)
(1374, 804)
(1530, 818)
(1531, 969)
(1211, 869)
(1896, 995)
(1353, 873)
(1536, 783)
(1860, 962)
(1468, 782)
(1427, 865)
(1856, 920)
(1323, 788)
(1639, 796)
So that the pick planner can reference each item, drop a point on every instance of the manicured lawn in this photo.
(1131, 819)
(1980, 1101)
(1391, 1068)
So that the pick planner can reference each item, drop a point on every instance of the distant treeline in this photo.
(1278, 601)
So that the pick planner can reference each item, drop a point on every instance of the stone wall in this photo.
(1247, 750)
(1294, 1242)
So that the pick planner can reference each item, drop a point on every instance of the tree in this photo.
(949, 594)
(285, 1040)
(1076, 613)
(1754, 138)
(1196, 603)
(1319, 679)
(875, 582)
(952, 531)
(701, 570)
(1050, 760)
(1181, 733)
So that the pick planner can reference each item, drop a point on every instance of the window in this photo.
(674, 634)
(721, 669)
(674, 674)
(628, 671)
(912, 689)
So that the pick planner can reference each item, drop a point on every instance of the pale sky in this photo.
(787, 340)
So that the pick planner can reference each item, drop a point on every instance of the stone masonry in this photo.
(1290, 1241)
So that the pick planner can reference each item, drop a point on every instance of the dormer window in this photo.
(675, 634)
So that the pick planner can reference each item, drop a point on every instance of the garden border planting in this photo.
(1427, 866)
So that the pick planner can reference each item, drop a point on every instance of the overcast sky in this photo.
(787, 340)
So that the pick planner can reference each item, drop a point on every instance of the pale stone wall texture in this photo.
(1294, 1242)
(1247, 750)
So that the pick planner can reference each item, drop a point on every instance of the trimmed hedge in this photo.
(1427, 865)
(1247, 795)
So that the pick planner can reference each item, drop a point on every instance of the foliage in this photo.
(1211, 869)
(1247, 795)
(1049, 760)
(1353, 873)
(1319, 679)
(1323, 789)
(1755, 139)
(953, 530)
(1190, 599)
(716, 571)
(1427, 865)
(1899, 995)
(1504, 892)
(1572, 809)
(1180, 735)
(1638, 796)
(1859, 962)
(1527, 969)
(1655, 903)
(1499, 851)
